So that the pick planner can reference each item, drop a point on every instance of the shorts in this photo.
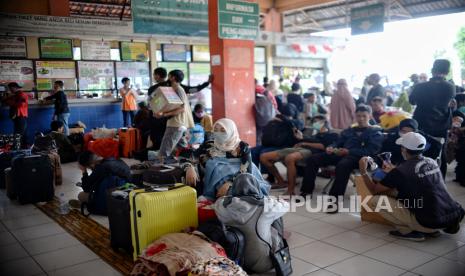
(306, 153)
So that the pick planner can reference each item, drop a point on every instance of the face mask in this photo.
(401, 134)
(220, 137)
(461, 109)
(199, 114)
(317, 126)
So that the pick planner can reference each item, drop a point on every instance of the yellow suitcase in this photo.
(156, 213)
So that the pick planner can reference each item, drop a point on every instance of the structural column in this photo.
(233, 90)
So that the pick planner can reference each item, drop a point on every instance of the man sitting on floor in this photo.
(102, 169)
(354, 143)
(422, 205)
(65, 148)
(297, 154)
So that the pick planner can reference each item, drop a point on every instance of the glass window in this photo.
(259, 55)
(114, 53)
(77, 53)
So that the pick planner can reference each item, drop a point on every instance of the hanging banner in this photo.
(46, 25)
(55, 48)
(19, 71)
(238, 20)
(367, 19)
(95, 50)
(96, 75)
(170, 17)
(55, 69)
(13, 46)
(134, 51)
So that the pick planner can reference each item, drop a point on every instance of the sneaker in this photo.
(74, 203)
(434, 234)
(412, 236)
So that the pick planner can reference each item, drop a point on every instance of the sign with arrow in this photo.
(367, 19)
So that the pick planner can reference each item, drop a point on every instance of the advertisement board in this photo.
(174, 52)
(134, 51)
(137, 72)
(201, 53)
(95, 50)
(96, 75)
(13, 46)
(56, 48)
(19, 71)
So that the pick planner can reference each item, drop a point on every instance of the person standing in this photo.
(129, 97)
(342, 107)
(61, 105)
(432, 98)
(376, 90)
(180, 119)
(18, 110)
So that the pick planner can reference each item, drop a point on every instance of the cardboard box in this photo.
(362, 190)
(164, 100)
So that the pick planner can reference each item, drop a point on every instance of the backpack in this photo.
(97, 203)
(43, 144)
(264, 109)
(278, 133)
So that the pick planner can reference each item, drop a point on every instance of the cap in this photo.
(411, 123)
(412, 141)
(14, 84)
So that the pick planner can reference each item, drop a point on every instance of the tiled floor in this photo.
(321, 244)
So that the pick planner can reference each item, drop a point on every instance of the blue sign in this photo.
(170, 17)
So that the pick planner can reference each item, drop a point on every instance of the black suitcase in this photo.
(163, 174)
(230, 238)
(119, 220)
(32, 177)
(5, 162)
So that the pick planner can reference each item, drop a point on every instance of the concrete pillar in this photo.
(58, 7)
(233, 90)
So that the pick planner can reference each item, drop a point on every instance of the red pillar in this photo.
(233, 89)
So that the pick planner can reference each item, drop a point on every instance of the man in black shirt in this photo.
(61, 105)
(377, 90)
(432, 98)
(422, 205)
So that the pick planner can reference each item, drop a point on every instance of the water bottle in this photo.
(64, 206)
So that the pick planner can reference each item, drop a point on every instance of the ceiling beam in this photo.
(289, 5)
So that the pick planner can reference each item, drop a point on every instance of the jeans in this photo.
(173, 136)
(63, 117)
(20, 125)
(126, 114)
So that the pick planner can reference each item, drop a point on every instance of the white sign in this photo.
(19, 71)
(42, 24)
(95, 69)
(216, 60)
(12, 46)
(95, 50)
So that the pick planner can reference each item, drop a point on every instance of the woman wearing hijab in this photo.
(342, 107)
(220, 160)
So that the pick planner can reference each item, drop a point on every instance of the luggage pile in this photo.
(10, 142)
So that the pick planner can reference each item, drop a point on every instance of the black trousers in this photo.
(344, 167)
(128, 115)
(20, 126)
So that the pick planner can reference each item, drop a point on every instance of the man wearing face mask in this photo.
(422, 206)
(203, 119)
(389, 144)
(303, 149)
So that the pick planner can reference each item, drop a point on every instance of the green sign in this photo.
(238, 20)
(56, 48)
(170, 17)
(134, 51)
(368, 19)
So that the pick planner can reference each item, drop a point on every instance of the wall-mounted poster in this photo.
(134, 51)
(96, 75)
(49, 71)
(174, 52)
(201, 53)
(19, 71)
(56, 48)
(13, 46)
(95, 50)
(137, 72)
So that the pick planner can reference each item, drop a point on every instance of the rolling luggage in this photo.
(11, 192)
(163, 174)
(119, 218)
(129, 141)
(5, 162)
(156, 213)
(32, 177)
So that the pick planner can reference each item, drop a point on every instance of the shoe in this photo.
(74, 203)
(412, 236)
(434, 234)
